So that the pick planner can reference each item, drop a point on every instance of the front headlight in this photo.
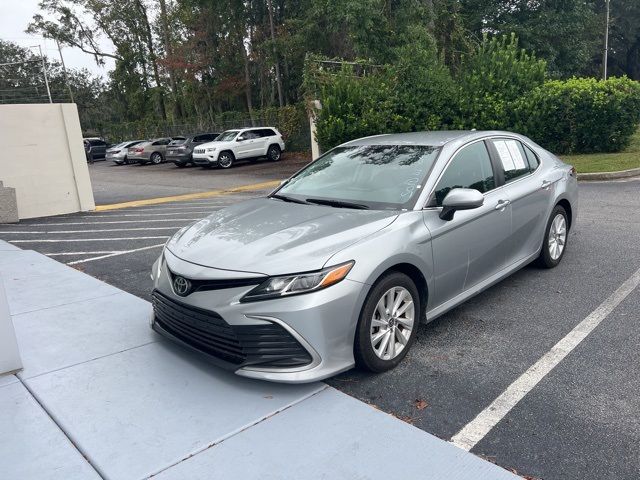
(209, 150)
(296, 284)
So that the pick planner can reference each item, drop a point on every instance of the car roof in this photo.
(433, 138)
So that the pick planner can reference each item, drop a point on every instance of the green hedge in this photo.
(500, 87)
(581, 115)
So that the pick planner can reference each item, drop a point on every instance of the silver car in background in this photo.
(339, 265)
(118, 153)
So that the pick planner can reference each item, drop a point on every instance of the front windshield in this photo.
(227, 136)
(377, 176)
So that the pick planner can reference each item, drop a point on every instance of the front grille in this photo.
(204, 285)
(265, 345)
(199, 150)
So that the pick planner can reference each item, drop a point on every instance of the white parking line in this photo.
(82, 253)
(115, 254)
(63, 240)
(478, 428)
(23, 232)
(113, 222)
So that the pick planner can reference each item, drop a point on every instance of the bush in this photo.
(580, 115)
(354, 107)
(414, 94)
(491, 79)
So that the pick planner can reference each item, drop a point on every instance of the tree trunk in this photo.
(247, 79)
(152, 58)
(168, 47)
(275, 53)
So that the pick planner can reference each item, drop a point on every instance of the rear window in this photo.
(206, 137)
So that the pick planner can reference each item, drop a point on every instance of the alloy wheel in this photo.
(225, 160)
(557, 236)
(392, 323)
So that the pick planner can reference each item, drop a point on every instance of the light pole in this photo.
(44, 71)
(606, 41)
(64, 71)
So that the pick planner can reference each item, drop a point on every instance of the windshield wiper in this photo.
(284, 198)
(337, 203)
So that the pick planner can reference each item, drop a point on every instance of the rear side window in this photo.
(267, 132)
(532, 158)
(512, 158)
(470, 168)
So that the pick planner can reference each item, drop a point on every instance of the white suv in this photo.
(240, 144)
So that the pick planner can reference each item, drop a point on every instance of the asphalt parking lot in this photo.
(581, 421)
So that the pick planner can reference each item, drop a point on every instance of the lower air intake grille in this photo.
(265, 345)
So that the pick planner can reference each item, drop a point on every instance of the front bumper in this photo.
(317, 328)
(204, 159)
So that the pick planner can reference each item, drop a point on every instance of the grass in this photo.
(608, 162)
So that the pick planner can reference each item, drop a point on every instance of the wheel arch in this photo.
(414, 273)
(564, 203)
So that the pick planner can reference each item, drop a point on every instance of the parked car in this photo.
(339, 265)
(180, 151)
(119, 153)
(152, 151)
(246, 143)
(95, 148)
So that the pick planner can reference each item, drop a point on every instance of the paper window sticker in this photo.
(505, 156)
(516, 155)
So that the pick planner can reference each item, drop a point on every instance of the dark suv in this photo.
(95, 149)
(180, 151)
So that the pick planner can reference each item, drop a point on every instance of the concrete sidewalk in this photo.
(102, 396)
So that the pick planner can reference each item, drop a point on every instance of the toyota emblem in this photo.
(181, 286)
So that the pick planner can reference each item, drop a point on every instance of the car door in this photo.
(470, 248)
(529, 193)
(245, 144)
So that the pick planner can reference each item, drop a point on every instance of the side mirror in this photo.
(460, 199)
(240, 139)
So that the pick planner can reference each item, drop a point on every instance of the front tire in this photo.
(388, 323)
(225, 159)
(555, 238)
(156, 158)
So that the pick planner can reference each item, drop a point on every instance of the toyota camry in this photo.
(341, 263)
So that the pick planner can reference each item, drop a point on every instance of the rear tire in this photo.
(391, 313)
(274, 153)
(556, 235)
(226, 159)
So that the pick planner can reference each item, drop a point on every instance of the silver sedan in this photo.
(339, 265)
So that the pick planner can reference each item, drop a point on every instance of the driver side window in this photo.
(470, 168)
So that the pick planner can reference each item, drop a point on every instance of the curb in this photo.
(632, 172)
(188, 196)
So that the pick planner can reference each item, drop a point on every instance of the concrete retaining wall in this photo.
(43, 158)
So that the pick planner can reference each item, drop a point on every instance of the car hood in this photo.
(273, 237)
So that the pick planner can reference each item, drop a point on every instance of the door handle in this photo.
(502, 204)
(546, 184)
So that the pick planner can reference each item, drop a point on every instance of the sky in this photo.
(15, 15)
